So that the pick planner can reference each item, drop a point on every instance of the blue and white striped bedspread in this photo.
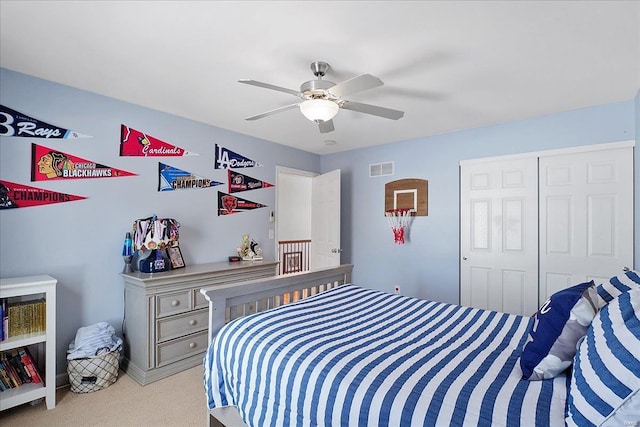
(358, 357)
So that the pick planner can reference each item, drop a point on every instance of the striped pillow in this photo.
(605, 385)
(616, 286)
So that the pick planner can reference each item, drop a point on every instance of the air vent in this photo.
(380, 169)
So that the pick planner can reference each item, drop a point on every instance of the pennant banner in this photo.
(226, 159)
(228, 204)
(135, 143)
(48, 164)
(13, 123)
(170, 178)
(239, 182)
(14, 195)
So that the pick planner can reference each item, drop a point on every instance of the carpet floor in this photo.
(178, 400)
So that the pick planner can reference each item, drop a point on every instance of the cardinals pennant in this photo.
(135, 143)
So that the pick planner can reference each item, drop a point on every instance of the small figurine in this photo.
(248, 249)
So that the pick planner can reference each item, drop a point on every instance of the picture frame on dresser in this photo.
(175, 255)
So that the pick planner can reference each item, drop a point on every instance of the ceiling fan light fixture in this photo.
(319, 110)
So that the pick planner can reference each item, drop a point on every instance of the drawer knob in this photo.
(192, 345)
(175, 302)
(192, 322)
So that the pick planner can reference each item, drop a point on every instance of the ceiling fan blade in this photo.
(387, 113)
(356, 84)
(274, 111)
(326, 126)
(270, 86)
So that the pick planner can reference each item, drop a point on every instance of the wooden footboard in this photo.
(233, 300)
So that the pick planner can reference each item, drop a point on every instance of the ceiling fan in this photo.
(321, 99)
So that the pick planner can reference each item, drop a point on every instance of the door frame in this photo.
(554, 152)
(283, 170)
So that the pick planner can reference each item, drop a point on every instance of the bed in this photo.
(348, 355)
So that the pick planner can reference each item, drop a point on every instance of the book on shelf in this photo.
(27, 359)
(23, 317)
(17, 367)
(4, 376)
(4, 320)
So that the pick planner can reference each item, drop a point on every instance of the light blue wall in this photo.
(636, 246)
(427, 266)
(80, 242)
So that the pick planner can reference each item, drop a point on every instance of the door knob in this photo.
(336, 250)
(625, 269)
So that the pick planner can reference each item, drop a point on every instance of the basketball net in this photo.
(398, 220)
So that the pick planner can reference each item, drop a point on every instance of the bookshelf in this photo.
(32, 287)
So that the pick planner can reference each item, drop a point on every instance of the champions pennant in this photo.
(239, 182)
(14, 195)
(228, 204)
(135, 143)
(14, 123)
(48, 164)
(226, 159)
(171, 178)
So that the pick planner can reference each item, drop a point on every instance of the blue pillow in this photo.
(605, 385)
(559, 325)
(616, 286)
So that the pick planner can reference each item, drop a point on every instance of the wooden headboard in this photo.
(233, 300)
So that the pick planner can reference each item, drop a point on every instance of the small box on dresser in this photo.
(166, 316)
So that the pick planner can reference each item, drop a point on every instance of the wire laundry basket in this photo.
(93, 373)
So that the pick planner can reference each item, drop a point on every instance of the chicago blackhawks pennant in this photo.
(14, 195)
(48, 164)
(226, 159)
(171, 178)
(239, 182)
(14, 123)
(228, 204)
(135, 143)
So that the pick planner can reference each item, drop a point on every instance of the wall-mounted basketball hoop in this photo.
(403, 199)
(398, 220)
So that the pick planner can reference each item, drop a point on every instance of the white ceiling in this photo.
(449, 65)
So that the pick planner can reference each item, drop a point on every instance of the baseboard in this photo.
(62, 380)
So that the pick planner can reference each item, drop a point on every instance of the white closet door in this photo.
(586, 217)
(499, 235)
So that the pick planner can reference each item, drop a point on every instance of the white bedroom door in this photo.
(499, 235)
(325, 220)
(586, 227)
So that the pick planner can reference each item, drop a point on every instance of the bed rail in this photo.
(233, 300)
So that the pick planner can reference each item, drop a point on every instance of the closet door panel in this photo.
(586, 221)
(499, 239)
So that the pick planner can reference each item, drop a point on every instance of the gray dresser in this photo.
(166, 316)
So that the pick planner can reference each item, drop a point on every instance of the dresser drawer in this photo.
(174, 303)
(172, 351)
(182, 324)
(200, 300)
